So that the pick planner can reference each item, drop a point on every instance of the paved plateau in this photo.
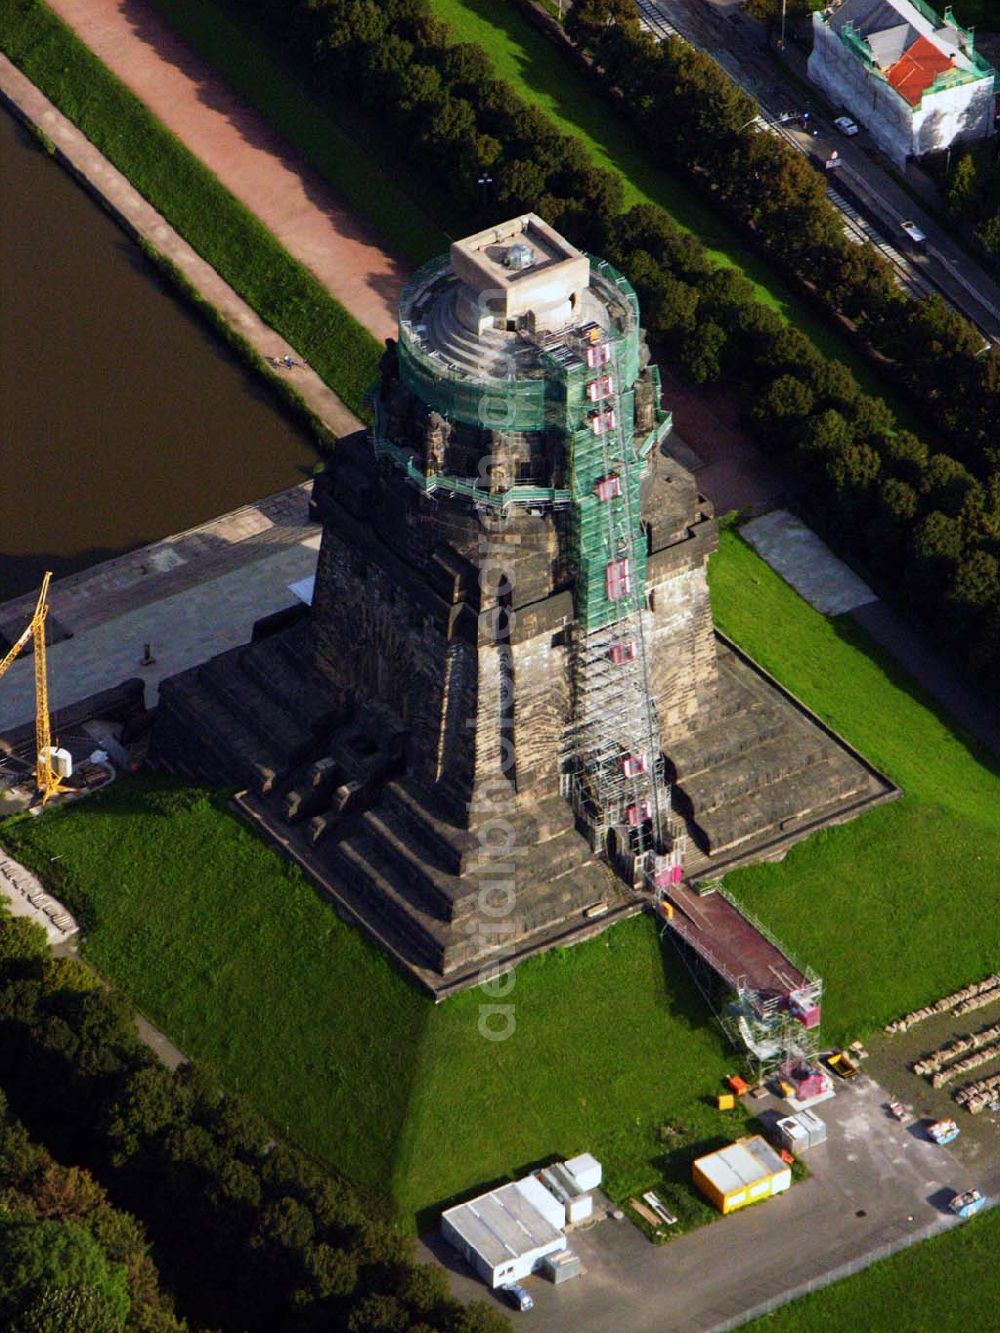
(874, 1185)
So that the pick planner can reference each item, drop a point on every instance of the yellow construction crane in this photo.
(46, 778)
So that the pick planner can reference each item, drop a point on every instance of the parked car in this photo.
(918, 237)
(846, 126)
(943, 1131)
(518, 1296)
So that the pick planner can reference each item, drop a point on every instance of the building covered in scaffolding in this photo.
(507, 720)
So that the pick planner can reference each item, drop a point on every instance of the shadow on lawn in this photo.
(957, 704)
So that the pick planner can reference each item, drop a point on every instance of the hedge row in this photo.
(252, 1235)
(923, 520)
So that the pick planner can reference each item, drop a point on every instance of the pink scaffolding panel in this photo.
(635, 814)
(623, 652)
(600, 388)
(633, 765)
(598, 355)
(602, 422)
(609, 488)
(668, 875)
(618, 580)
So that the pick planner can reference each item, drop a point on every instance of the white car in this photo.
(918, 237)
(516, 1295)
(846, 126)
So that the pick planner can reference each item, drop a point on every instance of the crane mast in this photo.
(46, 778)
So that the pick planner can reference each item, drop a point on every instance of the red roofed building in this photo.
(916, 69)
(913, 80)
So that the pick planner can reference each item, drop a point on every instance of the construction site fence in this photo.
(831, 1275)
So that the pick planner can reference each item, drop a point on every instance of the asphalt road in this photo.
(874, 1183)
(739, 44)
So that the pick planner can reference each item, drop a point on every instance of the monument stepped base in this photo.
(761, 772)
(329, 787)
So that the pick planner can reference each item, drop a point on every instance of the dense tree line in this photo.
(973, 194)
(920, 521)
(252, 1233)
(694, 118)
(928, 522)
(69, 1261)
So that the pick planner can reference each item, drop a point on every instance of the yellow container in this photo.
(740, 1174)
(726, 1101)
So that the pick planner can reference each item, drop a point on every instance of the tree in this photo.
(781, 410)
(150, 1103)
(965, 194)
(936, 546)
(989, 234)
(23, 946)
(379, 1314)
(39, 1257)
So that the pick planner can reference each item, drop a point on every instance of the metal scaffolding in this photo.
(615, 775)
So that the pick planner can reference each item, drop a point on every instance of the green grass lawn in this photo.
(899, 906)
(231, 951)
(945, 1285)
(225, 233)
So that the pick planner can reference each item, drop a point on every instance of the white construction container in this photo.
(794, 1135)
(585, 1170)
(546, 1203)
(814, 1127)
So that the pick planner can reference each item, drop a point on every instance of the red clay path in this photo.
(316, 226)
(253, 162)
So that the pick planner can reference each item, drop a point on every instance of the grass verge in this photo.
(947, 1284)
(331, 136)
(899, 906)
(223, 232)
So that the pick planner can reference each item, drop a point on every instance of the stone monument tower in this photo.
(508, 708)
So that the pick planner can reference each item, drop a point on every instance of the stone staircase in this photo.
(246, 716)
(757, 766)
(409, 862)
(260, 717)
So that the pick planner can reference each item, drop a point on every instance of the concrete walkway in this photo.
(253, 162)
(189, 597)
(24, 895)
(142, 220)
(807, 563)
